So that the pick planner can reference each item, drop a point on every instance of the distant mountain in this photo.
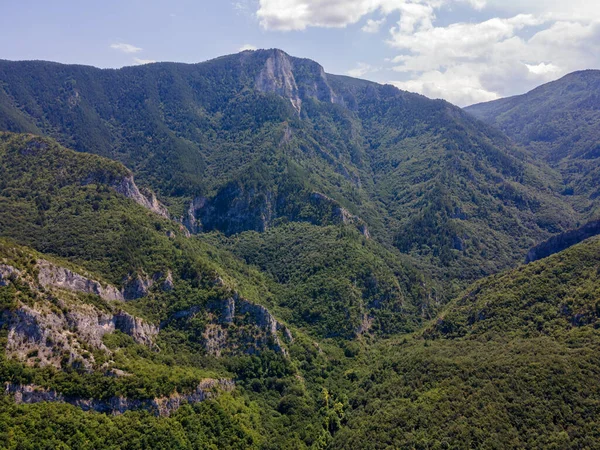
(255, 140)
(559, 122)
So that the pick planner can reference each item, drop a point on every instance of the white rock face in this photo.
(51, 275)
(277, 76)
(48, 335)
(129, 189)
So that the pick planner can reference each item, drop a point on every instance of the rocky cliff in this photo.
(135, 286)
(127, 187)
(51, 275)
(295, 79)
(237, 326)
(56, 326)
(162, 406)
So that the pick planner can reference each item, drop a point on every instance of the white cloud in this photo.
(245, 47)
(458, 84)
(542, 68)
(361, 70)
(287, 15)
(143, 61)
(126, 48)
(468, 63)
(373, 26)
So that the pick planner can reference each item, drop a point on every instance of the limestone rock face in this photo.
(51, 275)
(137, 286)
(129, 189)
(141, 331)
(295, 79)
(44, 335)
(59, 327)
(277, 77)
(161, 406)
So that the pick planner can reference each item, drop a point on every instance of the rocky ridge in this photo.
(236, 325)
(161, 406)
(127, 187)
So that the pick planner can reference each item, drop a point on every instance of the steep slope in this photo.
(253, 140)
(116, 308)
(559, 122)
(68, 204)
(512, 361)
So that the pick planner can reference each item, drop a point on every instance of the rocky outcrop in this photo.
(167, 285)
(161, 406)
(129, 189)
(277, 77)
(237, 326)
(234, 209)
(190, 220)
(295, 79)
(563, 241)
(51, 337)
(51, 275)
(141, 331)
(134, 287)
(137, 286)
(8, 273)
(240, 326)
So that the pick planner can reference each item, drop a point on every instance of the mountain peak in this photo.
(296, 79)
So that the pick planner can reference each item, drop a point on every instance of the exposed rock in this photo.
(141, 331)
(129, 189)
(167, 284)
(295, 79)
(137, 286)
(234, 209)
(242, 326)
(161, 406)
(46, 335)
(51, 275)
(7, 274)
(277, 77)
(563, 241)
(190, 220)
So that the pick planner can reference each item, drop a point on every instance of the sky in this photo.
(465, 51)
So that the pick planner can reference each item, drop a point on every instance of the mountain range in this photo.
(252, 253)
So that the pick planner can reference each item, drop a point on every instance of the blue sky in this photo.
(462, 50)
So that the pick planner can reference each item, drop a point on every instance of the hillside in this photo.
(250, 141)
(514, 360)
(112, 307)
(252, 253)
(558, 122)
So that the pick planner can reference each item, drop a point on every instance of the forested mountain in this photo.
(511, 363)
(253, 140)
(309, 261)
(559, 122)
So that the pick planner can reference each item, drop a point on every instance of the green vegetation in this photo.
(558, 122)
(346, 275)
(511, 364)
(424, 176)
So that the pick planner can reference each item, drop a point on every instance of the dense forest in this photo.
(252, 253)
